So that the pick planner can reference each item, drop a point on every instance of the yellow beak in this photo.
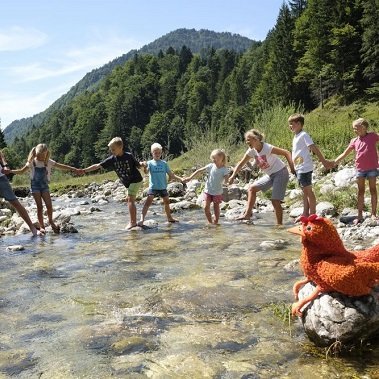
(298, 229)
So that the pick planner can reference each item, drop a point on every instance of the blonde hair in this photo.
(255, 134)
(156, 146)
(297, 117)
(39, 149)
(220, 153)
(361, 121)
(116, 141)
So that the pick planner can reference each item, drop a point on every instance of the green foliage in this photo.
(191, 86)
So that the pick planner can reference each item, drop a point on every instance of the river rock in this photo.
(325, 208)
(15, 248)
(175, 189)
(344, 177)
(232, 192)
(335, 317)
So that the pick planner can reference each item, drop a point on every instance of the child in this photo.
(366, 164)
(7, 193)
(158, 170)
(277, 177)
(126, 168)
(302, 144)
(217, 173)
(39, 164)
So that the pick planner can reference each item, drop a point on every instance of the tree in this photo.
(370, 43)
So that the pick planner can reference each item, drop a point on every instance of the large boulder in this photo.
(335, 317)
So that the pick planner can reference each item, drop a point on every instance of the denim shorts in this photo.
(6, 190)
(153, 192)
(367, 174)
(304, 178)
(39, 186)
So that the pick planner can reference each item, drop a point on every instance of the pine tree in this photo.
(370, 41)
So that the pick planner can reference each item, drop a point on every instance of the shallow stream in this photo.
(178, 301)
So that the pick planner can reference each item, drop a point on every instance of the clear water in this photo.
(178, 301)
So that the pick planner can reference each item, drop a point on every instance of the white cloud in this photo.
(19, 38)
(75, 60)
(16, 106)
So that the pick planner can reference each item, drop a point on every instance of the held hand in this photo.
(6, 171)
(231, 180)
(79, 171)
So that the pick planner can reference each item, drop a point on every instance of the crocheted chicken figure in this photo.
(327, 263)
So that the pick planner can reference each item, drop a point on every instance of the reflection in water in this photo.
(183, 300)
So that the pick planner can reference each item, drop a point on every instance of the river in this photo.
(178, 301)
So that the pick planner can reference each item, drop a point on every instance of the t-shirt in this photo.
(158, 171)
(39, 164)
(366, 157)
(125, 166)
(265, 160)
(301, 156)
(213, 185)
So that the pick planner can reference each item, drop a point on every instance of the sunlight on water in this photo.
(177, 301)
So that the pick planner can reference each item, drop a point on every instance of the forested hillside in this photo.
(197, 41)
(318, 50)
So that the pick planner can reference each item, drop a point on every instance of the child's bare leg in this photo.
(207, 210)
(309, 201)
(278, 211)
(24, 215)
(145, 208)
(49, 210)
(374, 195)
(216, 207)
(361, 197)
(132, 212)
(166, 202)
(38, 199)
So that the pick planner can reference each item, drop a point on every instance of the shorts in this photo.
(367, 173)
(6, 190)
(37, 186)
(304, 178)
(153, 192)
(278, 181)
(216, 199)
(134, 188)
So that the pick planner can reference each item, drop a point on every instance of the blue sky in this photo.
(46, 46)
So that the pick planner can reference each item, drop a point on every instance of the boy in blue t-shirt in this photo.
(158, 170)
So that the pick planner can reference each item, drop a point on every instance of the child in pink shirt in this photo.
(366, 163)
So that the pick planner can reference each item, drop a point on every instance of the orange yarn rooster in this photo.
(327, 263)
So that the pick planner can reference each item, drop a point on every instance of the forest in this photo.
(318, 50)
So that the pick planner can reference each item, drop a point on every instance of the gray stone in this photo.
(325, 208)
(335, 317)
(175, 189)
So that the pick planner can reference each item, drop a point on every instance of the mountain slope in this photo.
(195, 40)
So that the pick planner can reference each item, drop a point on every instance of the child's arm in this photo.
(188, 178)
(20, 170)
(172, 176)
(326, 163)
(226, 179)
(239, 166)
(65, 167)
(347, 151)
(287, 155)
(94, 167)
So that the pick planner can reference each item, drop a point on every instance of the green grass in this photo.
(330, 128)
